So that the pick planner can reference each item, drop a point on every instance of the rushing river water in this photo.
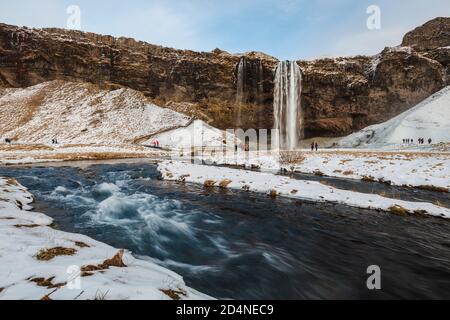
(240, 245)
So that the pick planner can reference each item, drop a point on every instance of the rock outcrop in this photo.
(340, 95)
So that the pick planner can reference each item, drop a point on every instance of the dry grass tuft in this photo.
(318, 173)
(291, 157)
(49, 254)
(48, 283)
(368, 179)
(116, 261)
(82, 244)
(183, 177)
(209, 183)
(174, 294)
(399, 211)
(273, 193)
(30, 226)
(387, 182)
(294, 191)
(11, 182)
(348, 172)
(224, 183)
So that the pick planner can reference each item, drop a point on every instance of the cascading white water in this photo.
(287, 104)
(240, 92)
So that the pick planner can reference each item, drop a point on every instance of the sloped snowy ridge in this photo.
(29, 271)
(429, 119)
(75, 112)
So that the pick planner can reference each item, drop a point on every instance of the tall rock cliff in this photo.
(339, 96)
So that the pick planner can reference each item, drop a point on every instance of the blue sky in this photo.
(286, 29)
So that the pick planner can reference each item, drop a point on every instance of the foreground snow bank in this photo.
(274, 185)
(429, 119)
(25, 274)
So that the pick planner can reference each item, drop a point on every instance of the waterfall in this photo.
(287, 104)
(240, 91)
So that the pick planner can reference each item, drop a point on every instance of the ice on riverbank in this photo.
(273, 185)
(29, 270)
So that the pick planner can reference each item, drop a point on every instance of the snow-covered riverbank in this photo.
(274, 186)
(40, 153)
(39, 262)
(409, 168)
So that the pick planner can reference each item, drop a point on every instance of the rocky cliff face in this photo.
(339, 95)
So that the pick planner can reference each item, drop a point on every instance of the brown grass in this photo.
(116, 261)
(82, 244)
(209, 183)
(291, 157)
(30, 226)
(399, 211)
(183, 177)
(368, 179)
(11, 182)
(318, 173)
(24, 147)
(224, 183)
(294, 191)
(49, 254)
(48, 283)
(174, 294)
(273, 193)
(348, 173)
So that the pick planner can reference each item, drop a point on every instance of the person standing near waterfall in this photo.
(312, 146)
(316, 145)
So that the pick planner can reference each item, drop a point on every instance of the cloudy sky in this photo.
(286, 29)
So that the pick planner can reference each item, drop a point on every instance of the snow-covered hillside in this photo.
(75, 112)
(196, 134)
(429, 119)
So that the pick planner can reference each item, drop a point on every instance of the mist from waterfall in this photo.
(287, 104)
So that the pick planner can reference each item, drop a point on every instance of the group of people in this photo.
(8, 141)
(420, 141)
(314, 146)
(54, 141)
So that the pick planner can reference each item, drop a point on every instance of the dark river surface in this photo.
(237, 245)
